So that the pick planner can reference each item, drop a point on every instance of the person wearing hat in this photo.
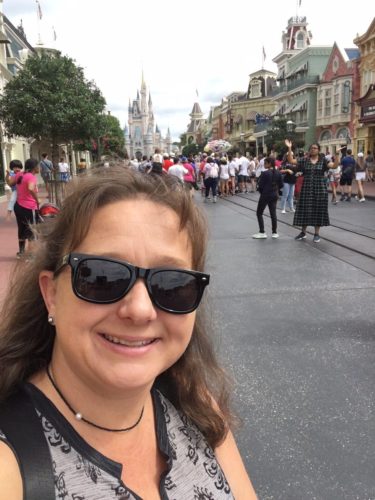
(360, 176)
(167, 162)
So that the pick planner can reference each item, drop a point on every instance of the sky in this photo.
(196, 50)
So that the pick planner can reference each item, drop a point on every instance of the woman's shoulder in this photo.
(191, 455)
(10, 476)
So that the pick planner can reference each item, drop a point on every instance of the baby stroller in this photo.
(48, 211)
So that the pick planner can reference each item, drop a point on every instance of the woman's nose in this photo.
(137, 305)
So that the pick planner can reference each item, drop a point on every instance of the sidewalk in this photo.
(369, 188)
(9, 242)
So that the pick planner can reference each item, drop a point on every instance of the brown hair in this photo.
(195, 384)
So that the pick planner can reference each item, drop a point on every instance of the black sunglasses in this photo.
(103, 281)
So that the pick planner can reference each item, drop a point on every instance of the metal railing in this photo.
(293, 84)
(56, 187)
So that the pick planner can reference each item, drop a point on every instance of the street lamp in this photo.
(242, 143)
(290, 126)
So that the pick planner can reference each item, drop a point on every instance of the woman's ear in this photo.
(47, 286)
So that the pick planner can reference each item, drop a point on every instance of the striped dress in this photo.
(312, 206)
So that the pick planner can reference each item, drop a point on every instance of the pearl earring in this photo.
(51, 321)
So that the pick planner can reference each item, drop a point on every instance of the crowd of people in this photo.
(223, 174)
(218, 175)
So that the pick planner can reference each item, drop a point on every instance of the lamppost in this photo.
(242, 143)
(290, 126)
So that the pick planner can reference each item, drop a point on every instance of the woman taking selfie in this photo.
(101, 338)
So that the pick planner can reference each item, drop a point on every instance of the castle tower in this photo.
(141, 135)
(144, 107)
(149, 150)
(168, 142)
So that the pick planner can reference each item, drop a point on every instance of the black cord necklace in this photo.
(79, 415)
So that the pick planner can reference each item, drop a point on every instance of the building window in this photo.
(336, 102)
(320, 108)
(255, 89)
(342, 133)
(326, 136)
(327, 103)
(300, 39)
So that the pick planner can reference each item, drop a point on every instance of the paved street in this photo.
(295, 325)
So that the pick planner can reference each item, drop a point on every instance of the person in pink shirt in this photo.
(189, 178)
(27, 205)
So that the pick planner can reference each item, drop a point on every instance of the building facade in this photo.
(197, 127)
(142, 135)
(14, 50)
(300, 66)
(364, 96)
(335, 114)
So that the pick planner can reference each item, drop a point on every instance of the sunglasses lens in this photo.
(176, 291)
(101, 281)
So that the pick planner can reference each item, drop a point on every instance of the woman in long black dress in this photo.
(312, 207)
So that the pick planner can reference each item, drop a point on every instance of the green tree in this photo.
(112, 140)
(183, 139)
(50, 99)
(190, 149)
(277, 133)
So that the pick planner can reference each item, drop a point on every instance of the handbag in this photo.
(299, 183)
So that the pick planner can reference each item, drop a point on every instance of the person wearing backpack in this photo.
(46, 171)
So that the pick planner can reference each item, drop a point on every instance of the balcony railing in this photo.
(293, 84)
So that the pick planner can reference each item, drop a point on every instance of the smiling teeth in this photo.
(128, 343)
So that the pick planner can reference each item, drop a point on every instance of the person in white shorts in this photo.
(360, 176)
(224, 177)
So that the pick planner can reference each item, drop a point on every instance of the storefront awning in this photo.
(300, 106)
(290, 108)
(277, 111)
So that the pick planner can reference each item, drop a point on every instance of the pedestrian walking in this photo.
(81, 166)
(46, 171)
(211, 177)
(15, 166)
(347, 176)
(270, 182)
(27, 205)
(334, 176)
(177, 169)
(157, 162)
(360, 177)
(312, 206)
(224, 177)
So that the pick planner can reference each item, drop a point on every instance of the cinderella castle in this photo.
(142, 135)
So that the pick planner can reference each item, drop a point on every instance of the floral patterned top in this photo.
(82, 473)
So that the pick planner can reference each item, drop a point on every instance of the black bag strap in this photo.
(22, 428)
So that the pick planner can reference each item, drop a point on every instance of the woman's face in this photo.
(314, 150)
(147, 235)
